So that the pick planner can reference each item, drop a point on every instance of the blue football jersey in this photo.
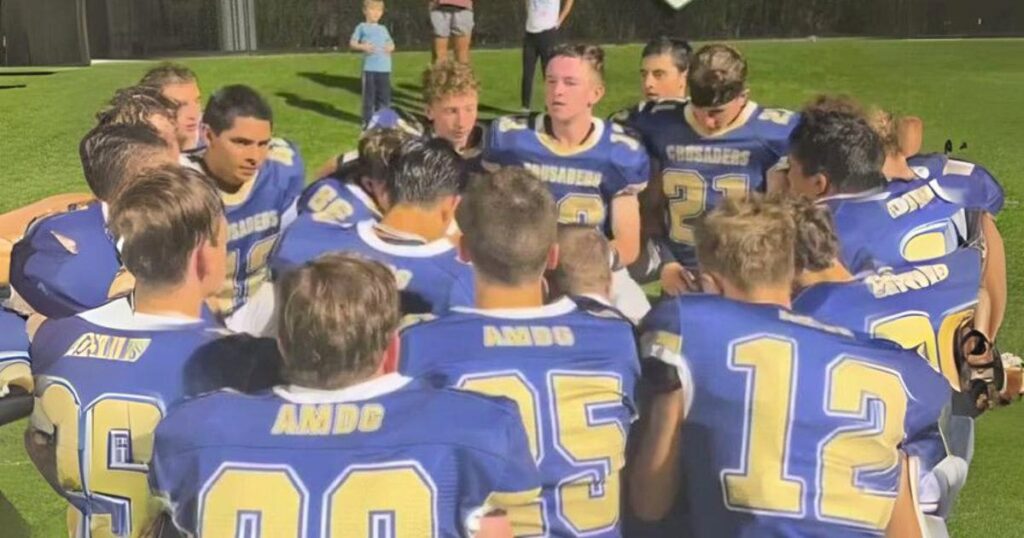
(104, 378)
(338, 199)
(918, 306)
(256, 214)
(698, 169)
(66, 263)
(792, 427)
(430, 276)
(572, 373)
(14, 361)
(904, 222)
(628, 117)
(388, 457)
(585, 181)
(418, 126)
(968, 184)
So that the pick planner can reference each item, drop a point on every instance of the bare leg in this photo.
(440, 49)
(462, 43)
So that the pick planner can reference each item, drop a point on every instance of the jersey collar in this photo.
(367, 231)
(373, 388)
(560, 307)
(365, 198)
(552, 145)
(119, 315)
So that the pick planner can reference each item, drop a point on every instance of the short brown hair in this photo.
(817, 246)
(592, 55)
(509, 223)
(134, 105)
(584, 261)
(113, 154)
(448, 78)
(378, 151)
(336, 316)
(160, 217)
(718, 74)
(750, 243)
(168, 73)
(836, 104)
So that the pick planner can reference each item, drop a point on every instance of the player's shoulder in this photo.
(210, 419)
(79, 221)
(773, 124)
(284, 169)
(396, 118)
(511, 128)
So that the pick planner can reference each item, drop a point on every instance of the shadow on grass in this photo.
(13, 525)
(320, 107)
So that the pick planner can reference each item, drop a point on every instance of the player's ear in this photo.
(552, 262)
(598, 94)
(207, 133)
(821, 184)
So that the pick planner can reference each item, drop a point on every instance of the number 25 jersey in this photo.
(572, 373)
(792, 427)
(699, 168)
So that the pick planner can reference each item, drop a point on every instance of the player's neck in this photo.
(491, 296)
(836, 273)
(426, 223)
(222, 185)
(767, 295)
(179, 301)
(896, 167)
(572, 133)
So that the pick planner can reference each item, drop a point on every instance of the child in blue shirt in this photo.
(374, 40)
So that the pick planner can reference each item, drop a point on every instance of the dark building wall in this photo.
(44, 32)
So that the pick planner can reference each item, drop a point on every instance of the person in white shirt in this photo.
(543, 19)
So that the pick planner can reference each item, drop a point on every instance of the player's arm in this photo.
(904, 522)
(495, 526)
(566, 10)
(626, 227)
(994, 276)
(654, 471)
(42, 452)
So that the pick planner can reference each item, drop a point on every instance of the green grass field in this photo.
(968, 91)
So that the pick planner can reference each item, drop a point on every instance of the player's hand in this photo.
(677, 280)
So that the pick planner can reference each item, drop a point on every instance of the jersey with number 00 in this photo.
(338, 199)
(904, 222)
(66, 263)
(386, 458)
(430, 276)
(698, 169)
(583, 181)
(256, 215)
(572, 373)
(965, 183)
(918, 306)
(14, 362)
(104, 378)
(792, 427)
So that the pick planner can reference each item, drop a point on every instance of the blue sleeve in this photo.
(661, 334)
(317, 195)
(14, 346)
(777, 125)
(387, 35)
(173, 473)
(497, 151)
(971, 186)
(928, 392)
(284, 256)
(357, 34)
(631, 167)
(287, 154)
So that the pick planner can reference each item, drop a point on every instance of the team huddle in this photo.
(447, 333)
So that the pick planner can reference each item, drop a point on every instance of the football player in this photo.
(452, 94)
(142, 105)
(67, 263)
(411, 237)
(664, 65)
(14, 362)
(593, 168)
(720, 144)
(105, 377)
(836, 158)
(780, 423)
(355, 190)
(571, 371)
(343, 449)
(259, 178)
(966, 184)
(179, 84)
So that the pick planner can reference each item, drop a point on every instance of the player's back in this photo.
(337, 198)
(964, 183)
(572, 374)
(430, 276)
(919, 306)
(256, 215)
(389, 457)
(66, 263)
(583, 181)
(699, 168)
(104, 378)
(793, 427)
(904, 222)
